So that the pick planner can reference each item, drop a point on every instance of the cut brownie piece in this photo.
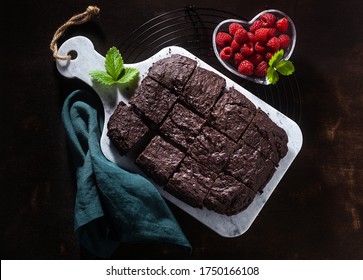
(202, 90)
(182, 125)
(211, 148)
(191, 183)
(232, 114)
(267, 137)
(228, 196)
(153, 100)
(250, 167)
(159, 160)
(173, 72)
(125, 128)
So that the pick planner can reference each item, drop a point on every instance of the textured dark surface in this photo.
(267, 137)
(191, 182)
(159, 160)
(173, 72)
(153, 100)
(250, 167)
(232, 114)
(211, 148)
(182, 126)
(316, 212)
(125, 128)
(228, 195)
(202, 90)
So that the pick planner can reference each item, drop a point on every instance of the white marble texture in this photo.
(88, 59)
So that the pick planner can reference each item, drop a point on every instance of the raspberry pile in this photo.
(250, 50)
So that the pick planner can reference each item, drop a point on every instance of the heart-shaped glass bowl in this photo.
(223, 27)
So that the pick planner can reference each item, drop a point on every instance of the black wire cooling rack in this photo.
(192, 28)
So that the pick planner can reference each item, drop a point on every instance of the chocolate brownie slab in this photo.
(173, 72)
(267, 137)
(153, 100)
(182, 125)
(202, 90)
(232, 114)
(228, 196)
(191, 182)
(250, 167)
(159, 160)
(211, 148)
(125, 128)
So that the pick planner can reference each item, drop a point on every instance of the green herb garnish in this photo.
(115, 72)
(278, 65)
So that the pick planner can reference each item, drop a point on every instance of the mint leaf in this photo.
(276, 58)
(128, 75)
(272, 75)
(114, 63)
(116, 73)
(285, 67)
(102, 77)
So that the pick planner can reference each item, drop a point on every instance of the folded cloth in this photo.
(112, 205)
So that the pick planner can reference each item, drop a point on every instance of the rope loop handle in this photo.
(90, 12)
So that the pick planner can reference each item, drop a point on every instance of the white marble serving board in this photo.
(88, 59)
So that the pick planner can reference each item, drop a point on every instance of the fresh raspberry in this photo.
(238, 58)
(246, 68)
(282, 25)
(233, 28)
(256, 25)
(284, 41)
(268, 56)
(262, 34)
(255, 58)
(247, 49)
(261, 69)
(268, 19)
(273, 44)
(260, 48)
(241, 36)
(251, 37)
(272, 32)
(223, 39)
(235, 46)
(226, 53)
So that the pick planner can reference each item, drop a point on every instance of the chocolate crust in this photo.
(228, 196)
(125, 128)
(232, 114)
(191, 182)
(159, 160)
(202, 90)
(173, 72)
(250, 167)
(211, 148)
(182, 126)
(153, 100)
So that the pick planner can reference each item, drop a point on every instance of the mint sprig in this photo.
(115, 72)
(279, 66)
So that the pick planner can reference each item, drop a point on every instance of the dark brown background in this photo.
(315, 213)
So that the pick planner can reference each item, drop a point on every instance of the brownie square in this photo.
(232, 114)
(228, 196)
(211, 148)
(250, 167)
(159, 160)
(202, 90)
(125, 128)
(182, 126)
(191, 182)
(267, 137)
(173, 72)
(153, 100)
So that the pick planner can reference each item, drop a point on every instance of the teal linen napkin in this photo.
(112, 205)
